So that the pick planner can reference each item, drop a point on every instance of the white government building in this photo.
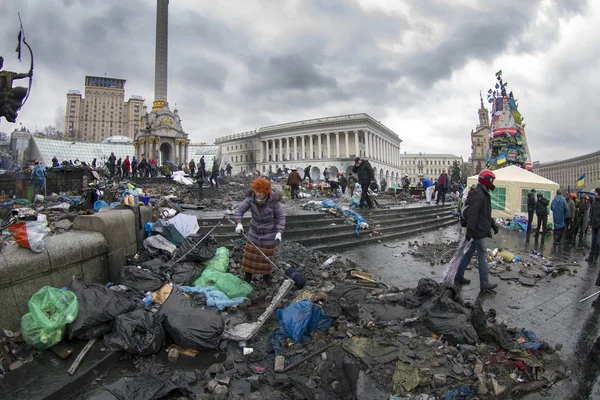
(331, 142)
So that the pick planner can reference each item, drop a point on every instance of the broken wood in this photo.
(363, 275)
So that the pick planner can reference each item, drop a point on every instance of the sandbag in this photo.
(188, 324)
(138, 332)
(203, 251)
(97, 305)
(455, 328)
(220, 262)
(302, 318)
(140, 278)
(50, 310)
(186, 273)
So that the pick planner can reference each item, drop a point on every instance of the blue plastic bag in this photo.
(214, 297)
(302, 318)
(98, 204)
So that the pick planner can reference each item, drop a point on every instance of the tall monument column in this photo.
(162, 50)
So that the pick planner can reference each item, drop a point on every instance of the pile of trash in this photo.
(438, 252)
(322, 328)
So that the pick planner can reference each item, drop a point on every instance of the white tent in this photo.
(513, 184)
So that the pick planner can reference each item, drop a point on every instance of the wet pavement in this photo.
(551, 308)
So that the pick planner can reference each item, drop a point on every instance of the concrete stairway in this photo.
(325, 232)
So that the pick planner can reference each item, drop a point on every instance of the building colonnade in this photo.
(320, 146)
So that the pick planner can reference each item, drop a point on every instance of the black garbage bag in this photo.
(138, 332)
(95, 332)
(186, 273)
(154, 381)
(188, 324)
(455, 328)
(157, 265)
(203, 251)
(141, 279)
(97, 305)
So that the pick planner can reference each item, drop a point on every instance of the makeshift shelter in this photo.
(513, 184)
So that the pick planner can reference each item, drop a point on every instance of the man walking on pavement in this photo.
(560, 210)
(294, 182)
(228, 169)
(307, 174)
(444, 184)
(541, 211)
(595, 221)
(530, 209)
(202, 167)
(364, 172)
(479, 223)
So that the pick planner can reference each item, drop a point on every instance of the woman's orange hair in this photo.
(262, 185)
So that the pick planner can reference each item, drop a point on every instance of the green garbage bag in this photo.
(50, 310)
(208, 277)
(233, 286)
(220, 262)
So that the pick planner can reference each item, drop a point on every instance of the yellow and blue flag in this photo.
(501, 159)
(581, 180)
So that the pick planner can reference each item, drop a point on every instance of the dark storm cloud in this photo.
(202, 74)
(472, 34)
(259, 63)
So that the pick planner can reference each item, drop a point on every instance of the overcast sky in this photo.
(415, 65)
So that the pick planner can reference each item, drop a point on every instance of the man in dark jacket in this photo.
(294, 182)
(582, 209)
(595, 222)
(530, 209)
(307, 174)
(443, 186)
(365, 175)
(202, 167)
(343, 181)
(570, 219)
(541, 211)
(479, 224)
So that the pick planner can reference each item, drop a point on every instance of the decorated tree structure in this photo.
(508, 143)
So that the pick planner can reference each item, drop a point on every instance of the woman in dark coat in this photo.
(266, 228)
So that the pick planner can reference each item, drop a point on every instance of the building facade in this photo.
(331, 142)
(102, 112)
(480, 142)
(566, 172)
(423, 165)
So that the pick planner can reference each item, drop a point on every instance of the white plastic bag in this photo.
(30, 234)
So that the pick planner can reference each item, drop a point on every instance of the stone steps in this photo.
(317, 230)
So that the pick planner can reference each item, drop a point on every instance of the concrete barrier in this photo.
(94, 251)
(119, 230)
(23, 272)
